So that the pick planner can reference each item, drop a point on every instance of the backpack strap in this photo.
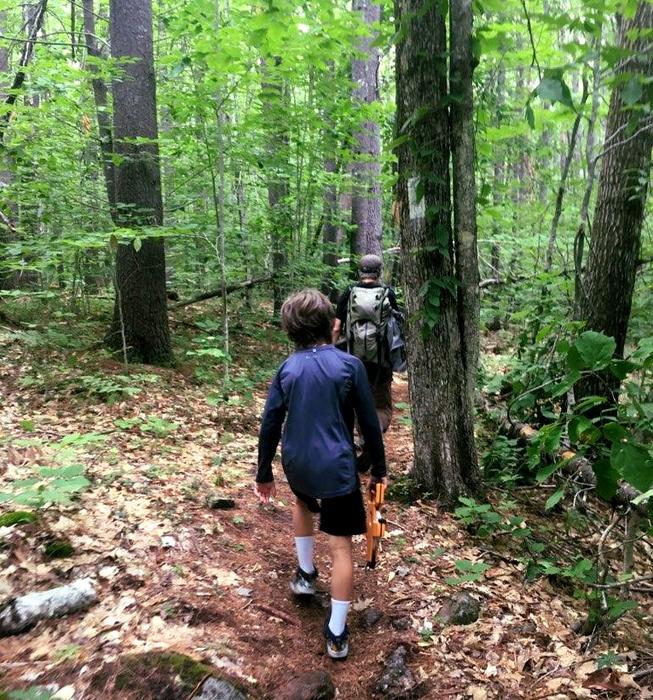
(349, 333)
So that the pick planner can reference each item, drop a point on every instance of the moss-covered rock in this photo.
(155, 675)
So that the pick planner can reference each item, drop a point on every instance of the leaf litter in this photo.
(173, 574)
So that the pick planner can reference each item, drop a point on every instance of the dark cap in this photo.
(370, 265)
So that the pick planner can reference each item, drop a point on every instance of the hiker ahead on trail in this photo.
(364, 316)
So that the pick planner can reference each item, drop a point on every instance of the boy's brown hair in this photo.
(307, 317)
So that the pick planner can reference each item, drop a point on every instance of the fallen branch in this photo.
(486, 283)
(575, 464)
(227, 290)
(20, 614)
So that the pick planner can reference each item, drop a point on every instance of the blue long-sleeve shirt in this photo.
(318, 392)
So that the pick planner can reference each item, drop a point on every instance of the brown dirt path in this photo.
(220, 592)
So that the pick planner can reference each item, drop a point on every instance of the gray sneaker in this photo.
(302, 583)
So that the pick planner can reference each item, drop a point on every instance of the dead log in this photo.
(576, 464)
(218, 292)
(20, 614)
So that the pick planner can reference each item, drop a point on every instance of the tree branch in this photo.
(26, 56)
(227, 290)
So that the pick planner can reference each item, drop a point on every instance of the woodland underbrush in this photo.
(90, 443)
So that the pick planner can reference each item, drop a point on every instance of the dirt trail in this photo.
(219, 591)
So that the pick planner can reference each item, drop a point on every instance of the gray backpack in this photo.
(367, 323)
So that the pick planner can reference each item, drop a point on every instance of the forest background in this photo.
(265, 146)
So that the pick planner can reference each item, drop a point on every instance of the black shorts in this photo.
(341, 516)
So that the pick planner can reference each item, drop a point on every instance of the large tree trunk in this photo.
(140, 322)
(443, 429)
(366, 168)
(464, 185)
(101, 95)
(616, 235)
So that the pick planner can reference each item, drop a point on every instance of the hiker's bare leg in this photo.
(302, 519)
(342, 572)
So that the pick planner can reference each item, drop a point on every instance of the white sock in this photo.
(338, 619)
(305, 546)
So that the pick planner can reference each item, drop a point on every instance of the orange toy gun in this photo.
(375, 523)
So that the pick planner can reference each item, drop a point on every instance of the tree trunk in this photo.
(462, 65)
(366, 168)
(278, 186)
(330, 230)
(101, 95)
(140, 322)
(443, 429)
(620, 205)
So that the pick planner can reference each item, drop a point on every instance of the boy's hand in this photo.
(374, 480)
(265, 491)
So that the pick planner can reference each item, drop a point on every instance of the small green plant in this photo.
(468, 571)
(67, 653)
(160, 427)
(501, 460)
(479, 518)
(35, 693)
(51, 485)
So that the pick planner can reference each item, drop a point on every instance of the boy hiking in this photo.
(319, 392)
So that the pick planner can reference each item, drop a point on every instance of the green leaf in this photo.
(608, 660)
(137, 244)
(63, 472)
(607, 478)
(622, 368)
(634, 463)
(632, 91)
(545, 472)
(530, 116)
(554, 498)
(615, 432)
(562, 387)
(554, 89)
(620, 608)
(595, 350)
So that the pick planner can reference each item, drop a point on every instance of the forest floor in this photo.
(174, 574)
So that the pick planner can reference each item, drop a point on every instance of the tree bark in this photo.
(366, 168)
(278, 186)
(462, 63)
(330, 229)
(101, 95)
(20, 614)
(619, 212)
(140, 322)
(443, 429)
